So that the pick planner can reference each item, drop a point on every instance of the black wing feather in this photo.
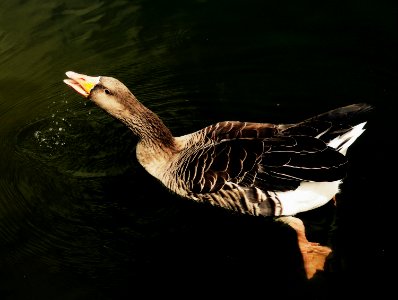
(270, 159)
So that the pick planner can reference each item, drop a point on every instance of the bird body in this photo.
(251, 168)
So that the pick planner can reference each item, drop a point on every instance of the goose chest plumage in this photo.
(252, 168)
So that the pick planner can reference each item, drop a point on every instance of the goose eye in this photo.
(108, 92)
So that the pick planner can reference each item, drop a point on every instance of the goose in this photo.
(260, 169)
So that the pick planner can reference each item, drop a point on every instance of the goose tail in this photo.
(342, 142)
(338, 128)
(346, 125)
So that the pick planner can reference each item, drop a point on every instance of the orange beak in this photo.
(81, 83)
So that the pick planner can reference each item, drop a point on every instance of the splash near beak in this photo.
(81, 83)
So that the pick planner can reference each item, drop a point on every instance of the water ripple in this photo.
(71, 183)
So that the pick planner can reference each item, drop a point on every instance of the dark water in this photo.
(80, 219)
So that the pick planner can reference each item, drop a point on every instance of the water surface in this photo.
(80, 219)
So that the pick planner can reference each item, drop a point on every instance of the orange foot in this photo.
(334, 200)
(314, 255)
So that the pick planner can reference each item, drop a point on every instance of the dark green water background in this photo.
(80, 219)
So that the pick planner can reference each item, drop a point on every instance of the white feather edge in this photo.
(342, 142)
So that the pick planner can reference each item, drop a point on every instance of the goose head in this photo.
(107, 92)
(115, 98)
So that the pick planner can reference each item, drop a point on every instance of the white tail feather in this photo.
(342, 142)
